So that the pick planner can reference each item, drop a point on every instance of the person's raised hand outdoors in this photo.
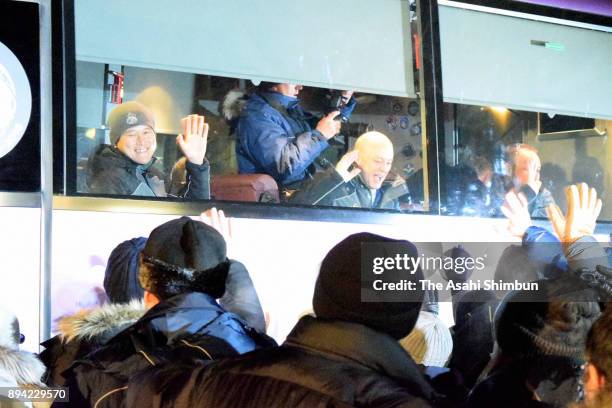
(583, 208)
(193, 140)
(516, 210)
(343, 167)
(217, 219)
(329, 127)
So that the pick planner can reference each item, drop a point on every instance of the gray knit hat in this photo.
(430, 342)
(127, 115)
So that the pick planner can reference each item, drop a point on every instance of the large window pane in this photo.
(265, 77)
(491, 150)
(171, 95)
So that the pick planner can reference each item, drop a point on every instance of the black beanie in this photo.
(552, 321)
(337, 293)
(184, 255)
(127, 115)
(121, 276)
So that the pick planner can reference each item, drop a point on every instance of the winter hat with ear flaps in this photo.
(185, 253)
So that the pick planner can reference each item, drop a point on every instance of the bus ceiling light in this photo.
(90, 133)
(498, 109)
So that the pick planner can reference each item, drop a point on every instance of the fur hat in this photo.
(121, 276)
(430, 342)
(183, 256)
(127, 115)
(9, 329)
(338, 289)
(552, 321)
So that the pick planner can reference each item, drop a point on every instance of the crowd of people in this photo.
(184, 327)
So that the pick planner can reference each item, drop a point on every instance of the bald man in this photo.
(358, 180)
(526, 167)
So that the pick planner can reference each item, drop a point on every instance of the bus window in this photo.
(287, 109)
(492, 150)
(267, 142)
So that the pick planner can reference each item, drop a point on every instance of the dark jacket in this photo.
(185, 328)
(111, 172)
(473, 341)
(544, 248)
(321, 364)
(328, 188)
(537, 201)
(279, 140)
(83, 333)
(537, 384)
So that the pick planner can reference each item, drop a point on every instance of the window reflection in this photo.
(491, 150)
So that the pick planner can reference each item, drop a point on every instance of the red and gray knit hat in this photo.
(127, 115)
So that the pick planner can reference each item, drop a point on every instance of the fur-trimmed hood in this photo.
(232, 104)
(101, 323)
(24, 367)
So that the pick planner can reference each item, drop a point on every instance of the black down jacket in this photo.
(321, 364)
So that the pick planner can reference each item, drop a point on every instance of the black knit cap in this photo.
(337, 293)
(185, 254)
(552, 321)
(127, 115)
(121, 276)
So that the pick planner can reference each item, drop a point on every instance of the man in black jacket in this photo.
(183, 270)
(364, 186)
(348, 355)
(126, 166)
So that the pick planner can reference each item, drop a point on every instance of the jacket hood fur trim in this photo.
(88, 324)
(233, 103)
(25, 368)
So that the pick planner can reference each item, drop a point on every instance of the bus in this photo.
(456, 86)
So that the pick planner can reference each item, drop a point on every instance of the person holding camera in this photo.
(276, 136)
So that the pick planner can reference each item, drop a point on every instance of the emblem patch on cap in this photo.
(131, 119)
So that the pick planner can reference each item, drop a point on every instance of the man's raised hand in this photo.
(583, 208)
(193, 140)
(344, 164)
(516, 210)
